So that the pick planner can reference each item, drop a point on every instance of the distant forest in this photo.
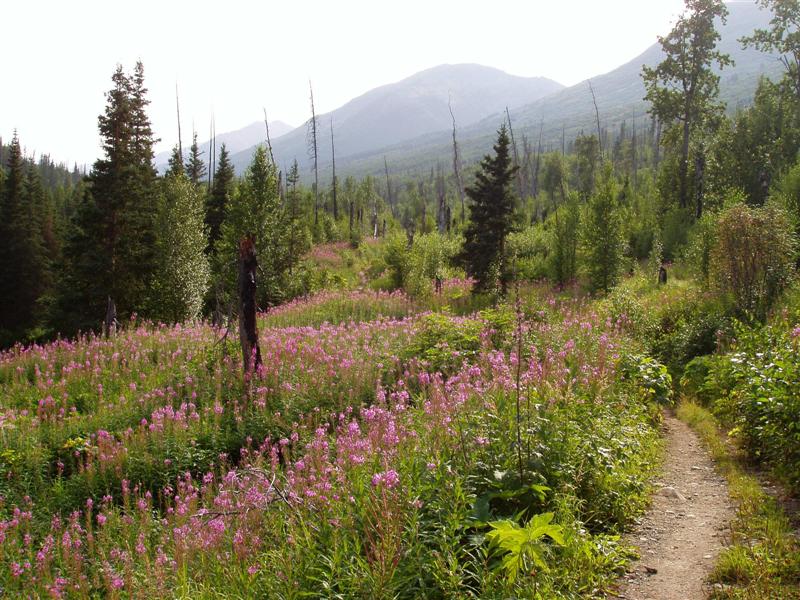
(125, 240)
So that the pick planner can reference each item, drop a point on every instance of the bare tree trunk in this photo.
(699, 181)
(389, 198)
(597, 116)
(516, 156)
(110, 323)
(683, 174)
(537, 166)
(333, 158)
(352, 217)
(457, 165)
(441, 213)
(210, 166)
(527, 161)
(248, 332)
(633, 149)
(178, 110)
(313, 128)
(269, 142)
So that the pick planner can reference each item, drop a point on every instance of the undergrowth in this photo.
(763, 559)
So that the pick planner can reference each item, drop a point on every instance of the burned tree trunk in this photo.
(248, 332)
(110, 323)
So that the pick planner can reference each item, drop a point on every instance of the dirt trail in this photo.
(684, 530)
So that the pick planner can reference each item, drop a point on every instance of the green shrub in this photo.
(753, 256)
(444, 343)
(689, 329)
(754, 391)
(430, 256)
(650, 376)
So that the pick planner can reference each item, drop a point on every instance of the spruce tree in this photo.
(175, 162)
(182, 272)
(38, 258)
(111, 247)
(255, 209)
(12, 245)
(217, 201)
(195, 167)
(25, 263)
(490, 219)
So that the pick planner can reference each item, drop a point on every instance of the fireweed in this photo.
(366, 477)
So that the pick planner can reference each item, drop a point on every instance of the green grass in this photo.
(763, 560)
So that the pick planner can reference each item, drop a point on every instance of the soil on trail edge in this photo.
(684, 529)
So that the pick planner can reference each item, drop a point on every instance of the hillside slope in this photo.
(407, 109)
(619, 97)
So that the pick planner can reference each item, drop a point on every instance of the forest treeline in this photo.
(697, 184)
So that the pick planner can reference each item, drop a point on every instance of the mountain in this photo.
(235, 141)
(566, 112)
(407, 109)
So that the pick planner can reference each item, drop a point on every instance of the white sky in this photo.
(235, 57)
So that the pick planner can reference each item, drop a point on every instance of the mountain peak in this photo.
(417, 105)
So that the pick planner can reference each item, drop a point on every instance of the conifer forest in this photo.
(467, 336)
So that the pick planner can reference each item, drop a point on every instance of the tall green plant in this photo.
(183, 270)
(603, 240)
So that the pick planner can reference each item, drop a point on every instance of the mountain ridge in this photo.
(619, 92)
(413, 106)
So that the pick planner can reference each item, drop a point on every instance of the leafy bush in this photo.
(754, 389)
(430, 256)
(530, 248)
(753, 257)
(395, 255)
(443, 343)
(650, 376)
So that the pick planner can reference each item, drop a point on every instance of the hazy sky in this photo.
(235, 57)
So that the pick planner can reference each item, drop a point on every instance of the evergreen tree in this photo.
(38, 258)
(490, 219)
(255, 209)
(25, 264)
(175, 163)
(298, 238)
(603, 235)
(217, 201)
(182, 273)
(111, 248)
(12, 246)
(195, 167)
(683, 88)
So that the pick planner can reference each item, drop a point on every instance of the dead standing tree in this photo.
(313, 148)
(520, 191)
(248, 332)
(110, 322)
(457, 165)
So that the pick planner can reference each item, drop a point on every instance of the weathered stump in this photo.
(248, 332)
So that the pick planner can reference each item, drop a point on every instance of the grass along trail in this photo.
(684, 530)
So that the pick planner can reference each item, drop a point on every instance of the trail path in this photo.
(684, 530)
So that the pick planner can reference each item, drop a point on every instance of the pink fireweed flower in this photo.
(388, 479)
